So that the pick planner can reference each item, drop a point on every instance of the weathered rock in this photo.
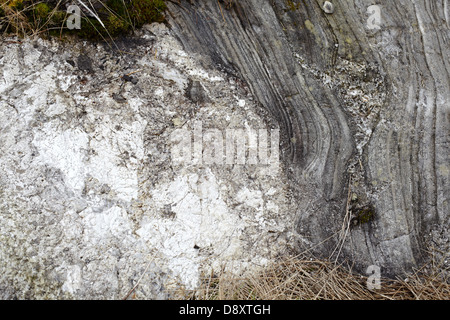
(91, 200)
(328, 7)
(362, 97)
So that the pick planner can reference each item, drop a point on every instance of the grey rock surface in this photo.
(363, 99)
(94, 203)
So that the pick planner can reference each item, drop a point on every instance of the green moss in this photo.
(42, 10)
(91, 29)
(118, 17)
(118, 7)
(117, 25)
(121, 17)
(365, 214)
(16, 4)
(144, 11)
(292, 6)
(58, 17)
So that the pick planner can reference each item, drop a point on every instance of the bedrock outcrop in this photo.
(121, 167)
(361, 92)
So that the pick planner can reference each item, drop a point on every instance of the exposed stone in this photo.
(328, 7)
(90, 199)
(362, 98)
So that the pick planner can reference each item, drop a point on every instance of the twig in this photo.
(91, 12)
(129, 74)
(137, 283)
(220, 7)
(346, 221)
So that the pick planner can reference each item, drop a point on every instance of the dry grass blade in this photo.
(306, 279)
(91, 12)
(14, 19)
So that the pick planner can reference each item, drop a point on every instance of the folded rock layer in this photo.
(361, 92)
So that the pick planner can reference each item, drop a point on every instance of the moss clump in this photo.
(292, 6)
(364, 215)
(16, 4)
(58, 17)
(42, 10)
(118, 7)
(117, 25)
(120, 17)
(91, 29)
(144, 11)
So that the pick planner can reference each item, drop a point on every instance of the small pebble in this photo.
(328, 7)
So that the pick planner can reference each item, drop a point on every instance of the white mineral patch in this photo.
(63, 150)
(73, 281)
(241, 103)
(90, 200)
(201, 219)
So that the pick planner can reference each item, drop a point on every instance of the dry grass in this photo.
(13, 19)
(305, 279)
(24, 18)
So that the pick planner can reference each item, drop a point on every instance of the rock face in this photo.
(122, 168)
(93, 199)
(361, 93)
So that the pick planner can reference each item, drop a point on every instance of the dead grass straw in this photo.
(311, 279)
